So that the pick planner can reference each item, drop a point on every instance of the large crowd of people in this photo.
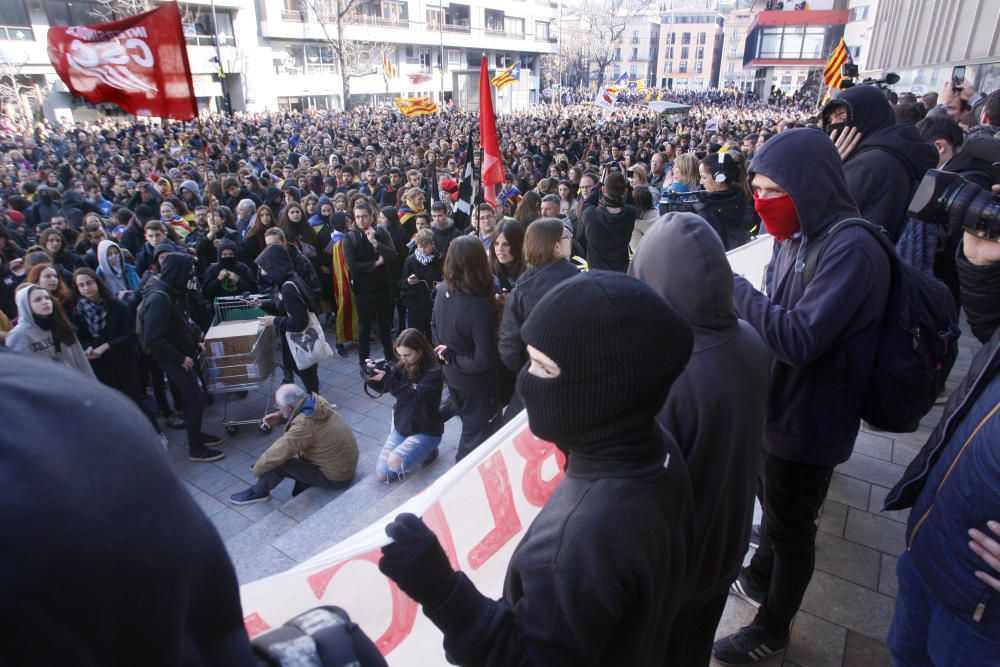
(595, 294)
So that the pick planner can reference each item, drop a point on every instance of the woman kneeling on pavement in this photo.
(416, 382)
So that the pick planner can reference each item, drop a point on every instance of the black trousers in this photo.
(303, 472)
(192, 399)
(151, 373)
(477, 407)
(783, 564)
(693, 633)
(309, 376)
(371, 307)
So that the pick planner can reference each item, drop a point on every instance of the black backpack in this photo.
(140, 318)
(918, 342)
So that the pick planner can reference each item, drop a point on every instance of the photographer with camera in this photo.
(416, 382)
(608, 224)
(949, 574)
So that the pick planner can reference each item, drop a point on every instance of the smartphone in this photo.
(958, 77)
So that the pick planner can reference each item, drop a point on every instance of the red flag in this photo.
(492, 165)
(140, 63)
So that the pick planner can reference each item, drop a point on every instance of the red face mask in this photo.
(778, 214)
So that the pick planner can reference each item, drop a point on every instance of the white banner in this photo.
(479, 510)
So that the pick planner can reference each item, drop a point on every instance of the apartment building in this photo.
(637, 54)
(277, 54)
(690, 49)
(731, 72)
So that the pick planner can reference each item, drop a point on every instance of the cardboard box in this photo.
(231, 338)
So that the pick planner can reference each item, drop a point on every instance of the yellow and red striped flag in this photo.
(832, 71)
(509, 75)
(416, 106)
(388, 67)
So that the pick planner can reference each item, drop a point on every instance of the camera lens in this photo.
(982, 214)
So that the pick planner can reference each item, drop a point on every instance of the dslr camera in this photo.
(371, 388)
(372, 367)
(947, 199)
(683, 202)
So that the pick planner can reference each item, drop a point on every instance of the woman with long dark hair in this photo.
(507, 255)
(416, 383)
(44, 330)
(530, 208)
(106, 331)
(465, 333)
(254, 242)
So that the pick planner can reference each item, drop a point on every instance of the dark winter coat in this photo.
(208, 252)
(607, 236)
(133, 238)
(417, 403)
(883, 171)
(444, 237)
(531, 287)
(361, 256)
(716, 407)
(213, 287)
(116, 367)
(951, 484)
(419, 298)
(292, 303)
(823, 336)
(731, 215)
(168, 334)
(466, 324)
(595, 579)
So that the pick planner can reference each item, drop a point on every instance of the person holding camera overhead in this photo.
(416, 382)
(608, 225)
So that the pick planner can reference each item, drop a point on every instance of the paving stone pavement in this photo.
(846, 611)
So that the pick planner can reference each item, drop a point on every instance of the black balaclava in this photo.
(229, 263)
(619, 347)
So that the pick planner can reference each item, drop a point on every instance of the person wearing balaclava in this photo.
(44, 330)
(887, 163)
(167, 336)
(229, 276)
(292, 304)
(823, 336)
(135, 574)
(715, 410)
(600, 572)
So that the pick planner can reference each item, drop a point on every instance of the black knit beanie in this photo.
(619, 346)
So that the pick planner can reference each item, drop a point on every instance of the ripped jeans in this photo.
(412, 449)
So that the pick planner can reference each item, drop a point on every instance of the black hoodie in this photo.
(883, 171)
(167, 334)
(245, 276)
(823, 336)
(135, 573)
(292, 299)
(715, 409)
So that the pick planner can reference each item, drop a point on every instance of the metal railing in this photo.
(363, 19)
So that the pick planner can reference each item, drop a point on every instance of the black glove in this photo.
(416, 561)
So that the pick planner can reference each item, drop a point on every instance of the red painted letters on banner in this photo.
(140, 63)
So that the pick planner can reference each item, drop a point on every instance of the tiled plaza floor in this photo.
(846, 611)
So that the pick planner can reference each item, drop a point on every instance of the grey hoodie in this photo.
(716, 408)
(29, 338)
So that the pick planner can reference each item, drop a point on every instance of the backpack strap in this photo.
(815, 250)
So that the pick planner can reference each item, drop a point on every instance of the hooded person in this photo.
(168, 335)
(599, 573)
(228, 276)
(190, 194)
(884, 169)
(823, 336)
(149, 580)
(291, 307)
(43, 209)
(117, 274)
(715, 411)
(44, 331)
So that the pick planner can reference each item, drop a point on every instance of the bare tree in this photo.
(355, 58)
(14, 93)
(604, 22)
(111, 10)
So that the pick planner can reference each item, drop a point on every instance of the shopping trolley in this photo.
(229, 374)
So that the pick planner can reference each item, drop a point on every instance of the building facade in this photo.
(278, 54)
(637, 54)
(787, 48)
(923, 41)
(858, 31)
(690, 49)
(731, 71)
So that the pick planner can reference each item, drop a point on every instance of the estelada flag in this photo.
(140, 63)
(492, 164)
(416, 106)
(509, 75)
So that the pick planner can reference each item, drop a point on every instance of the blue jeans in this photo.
(925, 634)
(412, 449)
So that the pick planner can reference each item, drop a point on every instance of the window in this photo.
(14, 23)
(615, 71)
(320, 59)
(291, 10)
(791, 44)
(684, 66)
(633, 72)
(494, 20)
(618, 53)
(697, 66)
(541, 30)
(200, 30)
(635, 36)
(701, 38)
(635, 53)
(454, 58)
(812, 43)
(670, 53)
(730, 67)
(786, 80)
(514, 27)
(700, 52)
(685, 53)
(671, 38)
(395, 11)
(859, 13)
(685, 38)
(434, 18)
(855, 52)
(670, 66)
(70, 13)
